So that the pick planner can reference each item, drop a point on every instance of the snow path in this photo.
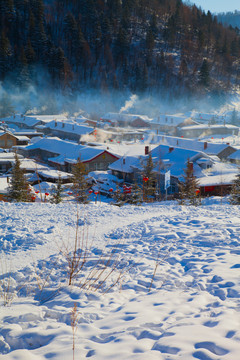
(191, 311)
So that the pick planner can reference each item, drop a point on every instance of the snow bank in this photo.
(177, 294)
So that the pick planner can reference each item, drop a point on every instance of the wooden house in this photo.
(62, 154)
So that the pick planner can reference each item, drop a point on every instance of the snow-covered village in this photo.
(125, 242)
(119, 179)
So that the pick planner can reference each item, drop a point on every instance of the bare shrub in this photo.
(92, 272)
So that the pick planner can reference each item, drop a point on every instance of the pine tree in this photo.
(204, 74)
(235, 192)
(136, 194)
(5, 55)
(18, 190)
(80, 185)
(187, 188)
(149, 179)
(57, 192)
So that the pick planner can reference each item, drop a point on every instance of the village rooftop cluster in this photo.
(115, 147)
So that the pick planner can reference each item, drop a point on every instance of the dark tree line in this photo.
(133, 44)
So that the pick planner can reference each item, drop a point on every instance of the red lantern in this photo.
(212, 137)
(197, 191)
(90, 191)
(145, 179)
(33, 198)
(69, 193)
(46, 194)
(127, 190)
(96, 192)
(36, 192)
(110, 190)
(111, 140)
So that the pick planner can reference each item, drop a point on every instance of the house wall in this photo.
(99, 163)
(64, 135)
(39, 154)
(5, 166)
(7, 141)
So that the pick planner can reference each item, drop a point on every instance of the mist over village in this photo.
(119, 180)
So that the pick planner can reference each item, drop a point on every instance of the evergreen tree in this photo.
(235, 192)
(80, 185)
(149, 178)
(188, 188)
(136, 195)
(57, 192)
(204, 74)
(5, 55)
(18, 190)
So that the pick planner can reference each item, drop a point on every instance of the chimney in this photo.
(191, 165)
(171, 149)
(146, 150)
(205, 145)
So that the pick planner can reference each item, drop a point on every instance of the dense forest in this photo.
(230, 18)
(140, 45)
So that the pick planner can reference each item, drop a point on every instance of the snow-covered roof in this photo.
(126, 164)
(191, 144)
(86, 153)
(70, 127)
(122, 117)
(169, 120)
(48, 118)
(27, 120)
(202, 116)
(8, 156)
(53, 174)
(66, 150)
(235, 155)
(31, 165)
(21, 137)
(215, 126)
(55, 145)
(221, 179)
(175, 160)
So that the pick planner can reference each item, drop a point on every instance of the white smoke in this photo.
(129, 103)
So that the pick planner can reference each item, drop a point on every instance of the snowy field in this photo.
(156, 281)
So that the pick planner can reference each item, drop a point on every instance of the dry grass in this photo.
(8, 289)
(74, 322)
(94, 272)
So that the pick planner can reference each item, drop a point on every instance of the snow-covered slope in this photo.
(175, 270)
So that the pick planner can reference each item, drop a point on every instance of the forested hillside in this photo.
(141, 45)
(230, 18)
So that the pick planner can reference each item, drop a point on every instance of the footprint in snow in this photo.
(212, 347)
